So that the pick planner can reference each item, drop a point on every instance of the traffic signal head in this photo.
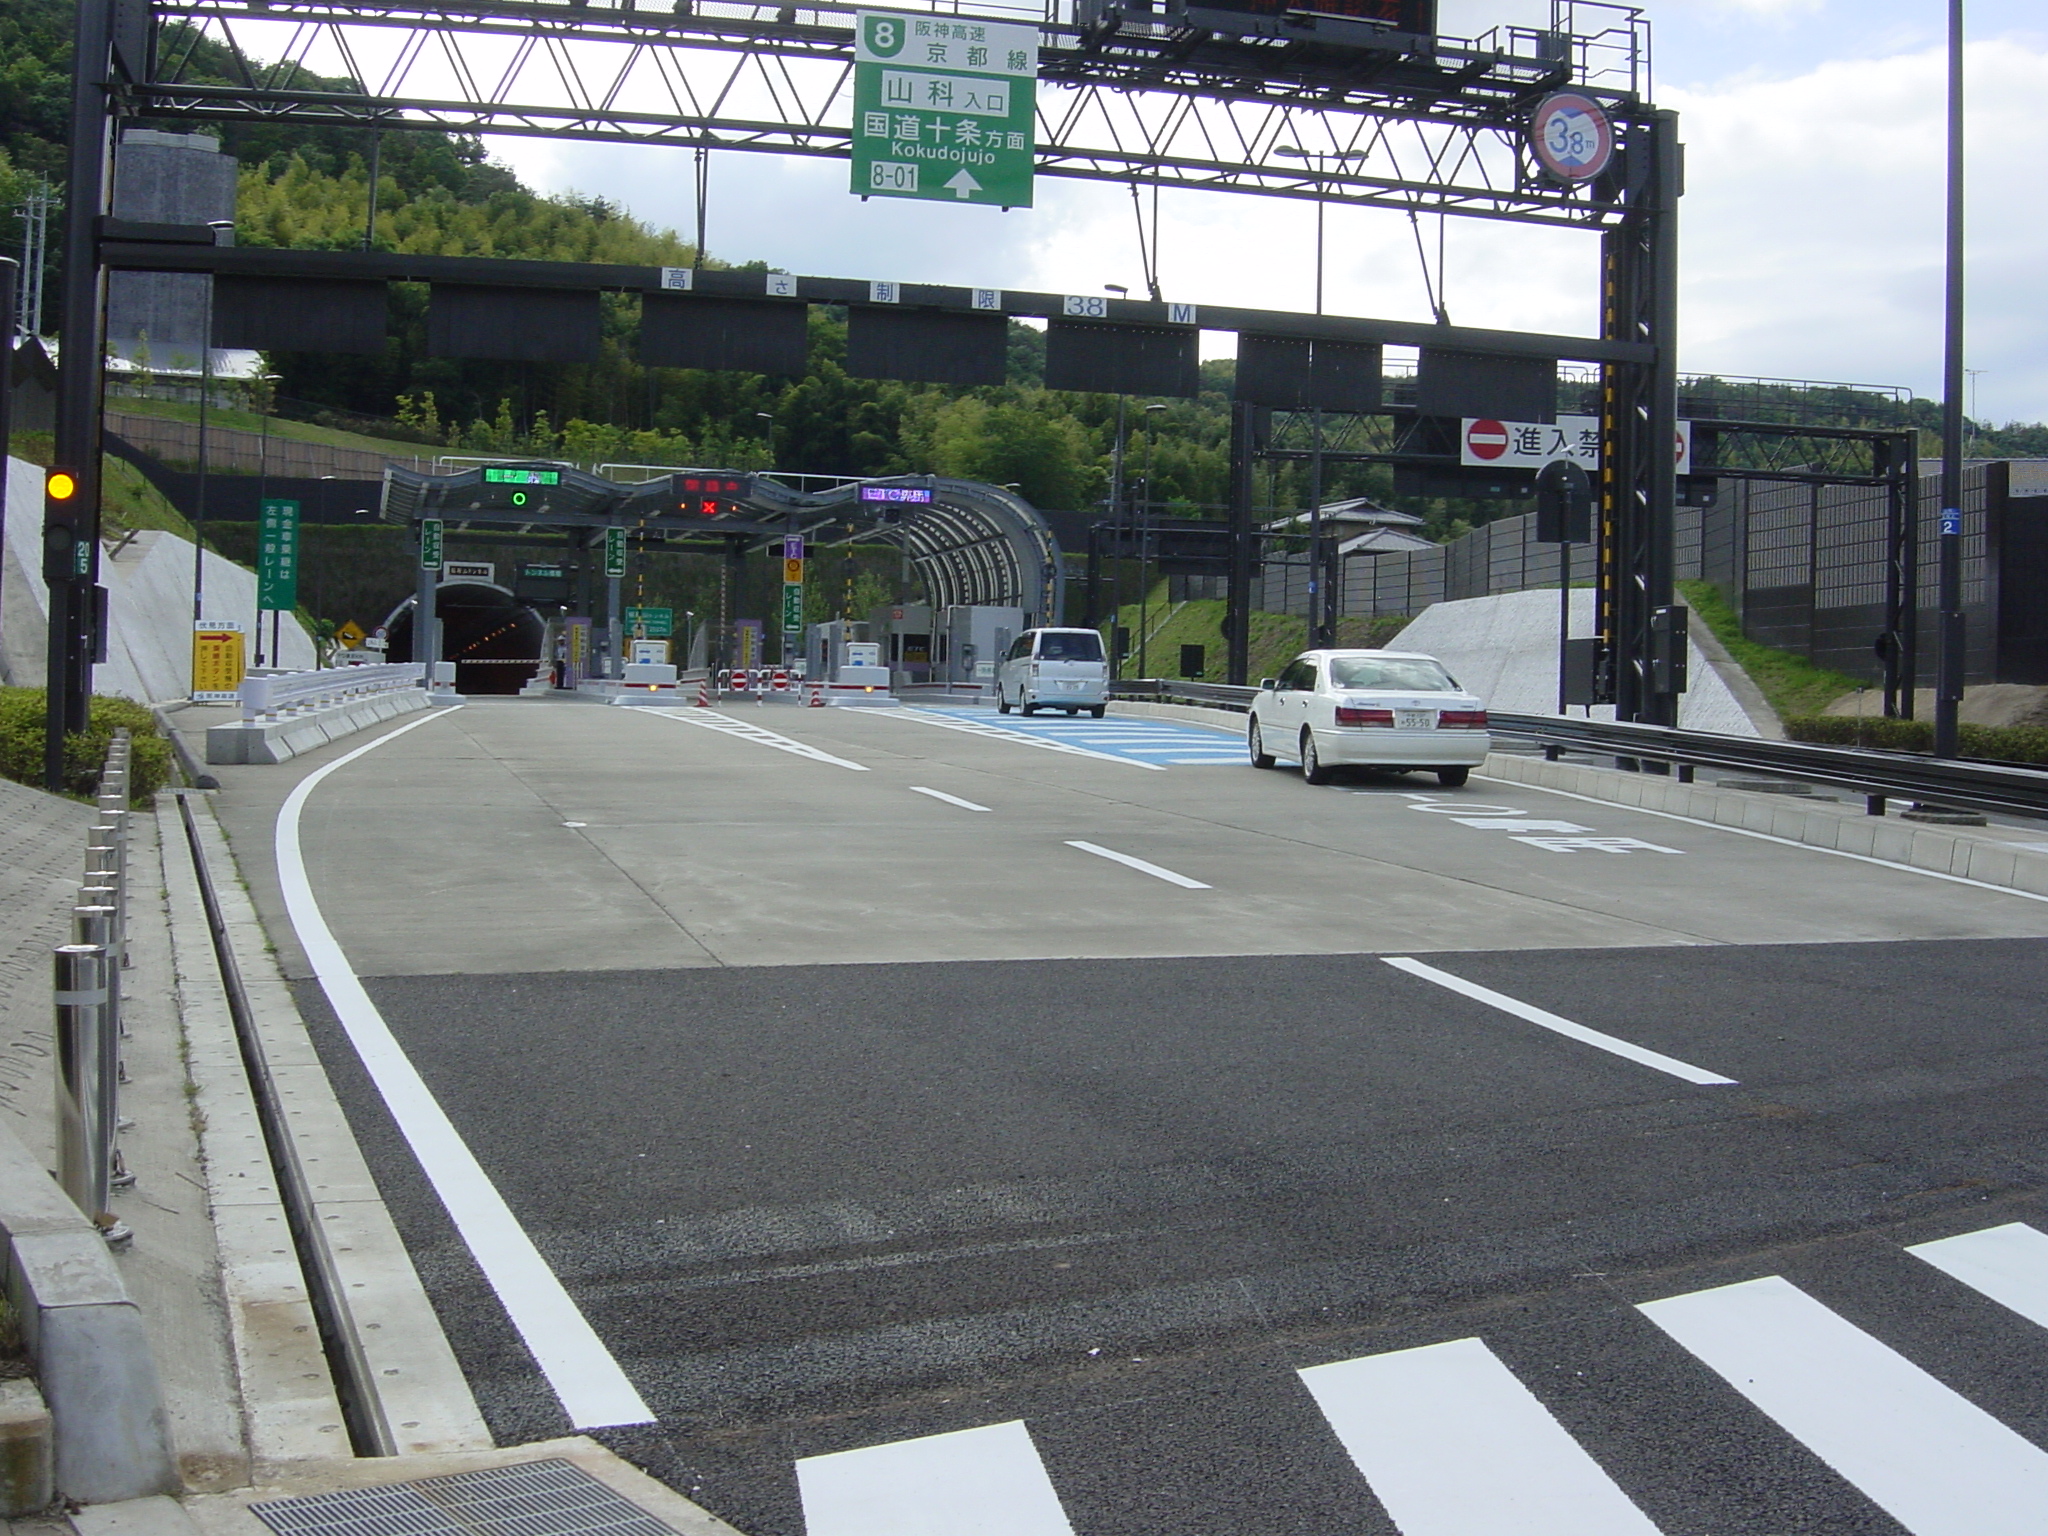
(1564, 503)
(66, 554)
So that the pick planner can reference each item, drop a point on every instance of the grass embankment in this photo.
(1798, 690)
(1276, 638)
(21, 744)
(233, 419)
(1791, 685)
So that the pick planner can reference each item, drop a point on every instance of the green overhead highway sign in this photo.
(515, 475)
(651, 623)
(944, 109)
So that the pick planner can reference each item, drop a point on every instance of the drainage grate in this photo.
(535, 1498)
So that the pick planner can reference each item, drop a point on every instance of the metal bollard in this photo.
(94, 894)
(85, 1117)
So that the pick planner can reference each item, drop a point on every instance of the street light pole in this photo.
(1948, 681)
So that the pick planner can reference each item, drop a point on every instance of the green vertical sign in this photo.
(792, 607)
(430, 543)
(944, 109)
(615, 551)
(277, 556)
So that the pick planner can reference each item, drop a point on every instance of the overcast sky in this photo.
(1810, 233)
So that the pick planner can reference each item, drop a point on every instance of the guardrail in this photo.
(278, 695)
(88, 1010)
(1878, 776)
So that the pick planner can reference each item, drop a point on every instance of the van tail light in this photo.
(1461, 720)
(1347, 716)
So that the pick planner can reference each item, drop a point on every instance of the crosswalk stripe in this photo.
(1934, 1461)
(2009, 1264)
(1454, 1445)
(971, 1482)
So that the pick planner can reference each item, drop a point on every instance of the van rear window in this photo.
(1083, 646)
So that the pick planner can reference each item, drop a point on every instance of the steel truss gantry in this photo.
(1134, 101)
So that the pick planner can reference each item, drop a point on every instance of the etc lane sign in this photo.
(1484, 443)
(944, 109)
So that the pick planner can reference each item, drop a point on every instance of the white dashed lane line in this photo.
(1143, 867)
(940, 794)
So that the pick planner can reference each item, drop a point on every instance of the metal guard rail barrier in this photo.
(280, 693)
(2009, 790)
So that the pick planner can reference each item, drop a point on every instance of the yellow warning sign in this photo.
(217, 660)
(351, 636)
(793, 570)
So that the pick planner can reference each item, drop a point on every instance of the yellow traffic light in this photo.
(60, 485)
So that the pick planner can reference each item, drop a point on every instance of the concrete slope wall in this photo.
(149, 586)
(1504, 648)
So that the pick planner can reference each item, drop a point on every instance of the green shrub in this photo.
(21, 744)
(2004, 743)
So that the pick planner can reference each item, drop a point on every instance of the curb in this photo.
(407, 1394)
(277, 741)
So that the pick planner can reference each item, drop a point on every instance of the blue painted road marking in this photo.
(1166, 743)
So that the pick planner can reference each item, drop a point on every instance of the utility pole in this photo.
(1948, 678)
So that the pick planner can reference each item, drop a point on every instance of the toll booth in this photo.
(972, 641)
(904, 631)
(825, 646)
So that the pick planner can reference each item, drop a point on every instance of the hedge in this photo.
(21, 744)
(2004, 743)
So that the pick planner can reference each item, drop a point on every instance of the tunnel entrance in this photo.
(494, 639)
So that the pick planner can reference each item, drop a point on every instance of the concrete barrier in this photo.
(85, 1336)
(281, 739)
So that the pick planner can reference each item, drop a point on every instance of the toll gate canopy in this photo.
(973, 544)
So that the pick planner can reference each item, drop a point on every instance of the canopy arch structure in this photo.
(971, 544)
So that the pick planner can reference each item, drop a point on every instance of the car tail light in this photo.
(1348, 716)
(1461, 720)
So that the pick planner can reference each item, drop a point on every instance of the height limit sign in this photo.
(943, 109)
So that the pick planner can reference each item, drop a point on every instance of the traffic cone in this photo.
(703, 693)
(817, 698)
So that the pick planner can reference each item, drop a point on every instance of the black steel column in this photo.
(10, 274)
(1639, 470)
(83, 333)
(1948, 678)
(1900, 647)
(1237, 610)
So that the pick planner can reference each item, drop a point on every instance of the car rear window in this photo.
(1078, 647)
(1391, 672)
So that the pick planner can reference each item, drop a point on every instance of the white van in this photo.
(1054, 669)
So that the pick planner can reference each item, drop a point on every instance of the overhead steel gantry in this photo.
(1298, 104)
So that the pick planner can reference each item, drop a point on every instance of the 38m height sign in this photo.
(944, 109)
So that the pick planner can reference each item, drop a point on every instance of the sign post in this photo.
(944, 109)
(792, 598)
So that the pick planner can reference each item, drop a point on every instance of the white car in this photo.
(1054, 669)
(1397, 710)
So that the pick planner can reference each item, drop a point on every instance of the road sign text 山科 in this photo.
(944, 109)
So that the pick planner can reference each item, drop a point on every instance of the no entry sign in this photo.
(1485, 440)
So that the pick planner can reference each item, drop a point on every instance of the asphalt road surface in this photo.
(947, 1127)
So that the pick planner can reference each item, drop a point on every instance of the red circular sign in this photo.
(1487, 439)
(1571, 136)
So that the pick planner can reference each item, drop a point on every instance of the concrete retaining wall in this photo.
(86, 1338)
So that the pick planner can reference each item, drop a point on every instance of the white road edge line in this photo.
(940, 794)
(594, 1391)
(746, 730)
(1140, 865)
(1769, 837)
(1562, 1026)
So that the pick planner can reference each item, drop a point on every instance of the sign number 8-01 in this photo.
(885, 35)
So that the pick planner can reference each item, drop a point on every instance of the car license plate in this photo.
(1414, 719)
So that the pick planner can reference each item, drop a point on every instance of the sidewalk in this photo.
(251, 1398)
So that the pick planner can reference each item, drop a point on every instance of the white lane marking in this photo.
(1001, 733)
(1455, 1445)
(1934, 1461)
(1138, 864)
(2009, 1264)
(972, 1482)
(745, 730)
(1579, 1032)
(1767, 837)
(593, 1390)
(940, 794)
